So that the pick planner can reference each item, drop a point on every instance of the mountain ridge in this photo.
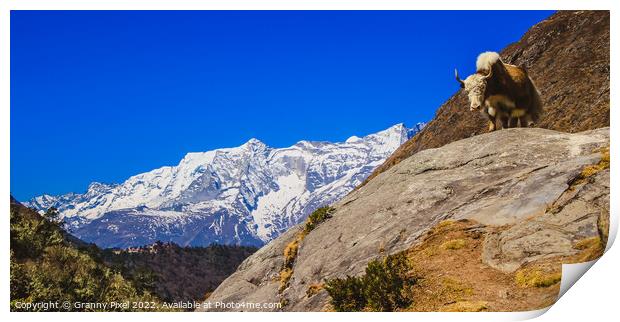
(244, 195)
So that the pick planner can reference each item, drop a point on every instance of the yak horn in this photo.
(490, 73)
(458, 79)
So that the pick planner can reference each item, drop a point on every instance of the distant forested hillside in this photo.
(50, 265)
(178, 273)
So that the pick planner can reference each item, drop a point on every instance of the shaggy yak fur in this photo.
(503, 93)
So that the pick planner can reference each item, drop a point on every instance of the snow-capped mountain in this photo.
(245, 195)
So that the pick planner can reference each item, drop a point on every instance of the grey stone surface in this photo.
(508, 178)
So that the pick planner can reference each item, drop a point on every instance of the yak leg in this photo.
(527, 120)
(492, 126)
(505, 121)
(490, 114)
(517, 114)
(512, 121)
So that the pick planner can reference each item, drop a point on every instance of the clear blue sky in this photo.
(100, 96)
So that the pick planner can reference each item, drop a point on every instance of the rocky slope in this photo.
(567, 56)
(486, 221)
(246, 195)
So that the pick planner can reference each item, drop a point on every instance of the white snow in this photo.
(274, 203)
(263, 188)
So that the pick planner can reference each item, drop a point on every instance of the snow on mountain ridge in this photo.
(244, 195)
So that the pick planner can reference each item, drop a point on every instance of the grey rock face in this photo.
(554, 233)
(510, 179)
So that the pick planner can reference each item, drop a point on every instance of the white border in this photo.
(593, 297)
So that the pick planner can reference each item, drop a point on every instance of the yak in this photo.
(502, 92)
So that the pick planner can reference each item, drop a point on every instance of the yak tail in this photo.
(537, 108)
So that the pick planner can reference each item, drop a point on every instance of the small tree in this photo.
(386, 283)
(386, 286)
(144, 279)
(347, 294)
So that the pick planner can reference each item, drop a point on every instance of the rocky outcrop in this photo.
(567, 56)
(534, 194)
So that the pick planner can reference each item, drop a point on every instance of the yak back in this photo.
(513, 82)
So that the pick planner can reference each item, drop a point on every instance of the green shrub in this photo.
(347, 294)
(30, 236)
(317, 217)
(386, 283)
(384, 287)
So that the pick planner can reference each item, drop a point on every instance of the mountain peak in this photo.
(97, 185)
(397, 134)
(254, 141)
(255, 145)
(262, 190)
(396, 128)
(353, 139)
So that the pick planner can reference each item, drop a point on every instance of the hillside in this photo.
(176, 273)
(48, 264)
(482, 224)
(567, 56)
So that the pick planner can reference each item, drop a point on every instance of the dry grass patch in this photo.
(454, 244)
(314, 289)
(588, 243)
(456, 289)
(451, 276)
(467, 306)
(445, 223)
(535, 277)
(290, 252)
(591, 170)
(285, 276)
(590, 249)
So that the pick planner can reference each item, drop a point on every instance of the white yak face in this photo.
(475, 86)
